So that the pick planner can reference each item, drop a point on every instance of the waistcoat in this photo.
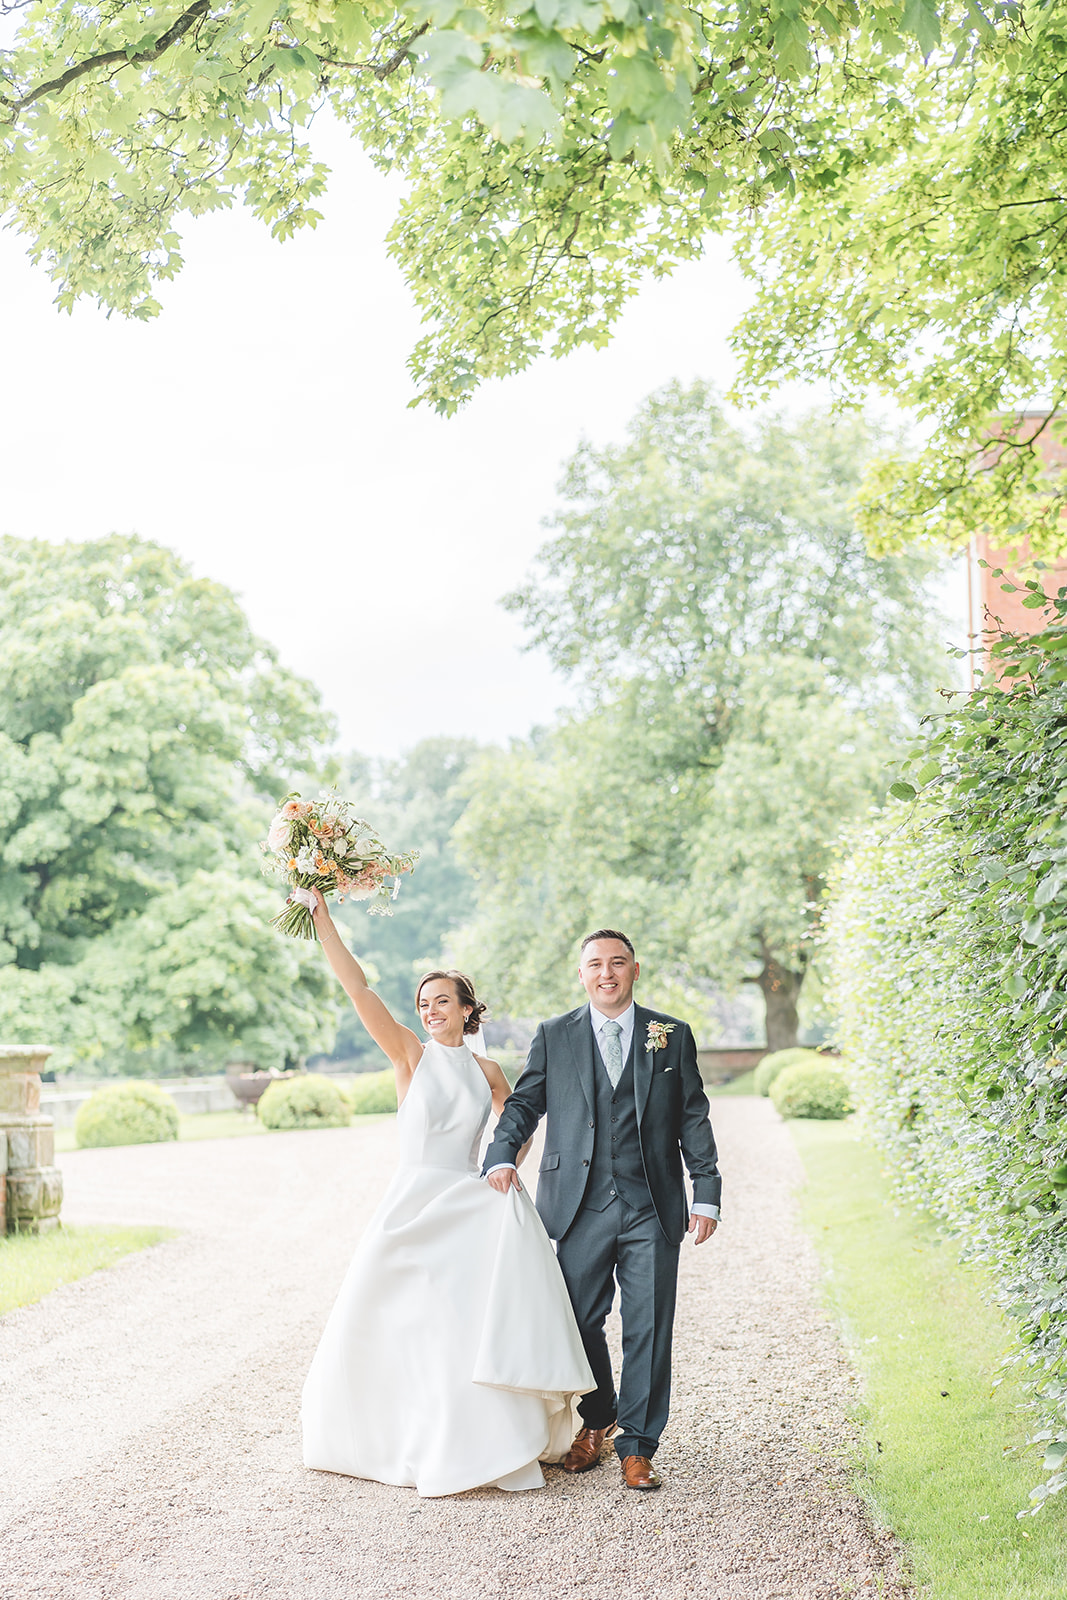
(616, 1167)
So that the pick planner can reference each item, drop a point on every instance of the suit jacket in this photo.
(672, 1119)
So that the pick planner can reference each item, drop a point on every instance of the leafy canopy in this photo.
(142, 725)
(555, 151)
(925, 257)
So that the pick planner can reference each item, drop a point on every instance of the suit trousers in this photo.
(626, 1245)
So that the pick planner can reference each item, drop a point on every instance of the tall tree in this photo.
(697, 544)
(145, 732)
(555, 151)
(746, 665)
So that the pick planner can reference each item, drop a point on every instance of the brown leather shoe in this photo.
(637, 1473)
(584, 1453)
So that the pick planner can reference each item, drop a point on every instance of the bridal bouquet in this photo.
(321, 844)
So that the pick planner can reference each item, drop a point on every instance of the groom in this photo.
(625, 1106)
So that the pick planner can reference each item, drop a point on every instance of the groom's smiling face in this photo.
(608, 971)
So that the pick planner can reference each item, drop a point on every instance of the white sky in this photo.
(259, 426)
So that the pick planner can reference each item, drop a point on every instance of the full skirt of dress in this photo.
(451, 1358)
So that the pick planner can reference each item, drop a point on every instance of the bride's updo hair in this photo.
(464, 994)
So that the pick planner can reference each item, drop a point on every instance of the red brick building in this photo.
(990, 610)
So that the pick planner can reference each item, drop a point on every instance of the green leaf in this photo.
(1055, 1455)
(921, 19)
(258, 16)
(902, 791)
(1050, 887)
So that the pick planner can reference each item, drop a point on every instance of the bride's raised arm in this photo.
(401, 1045)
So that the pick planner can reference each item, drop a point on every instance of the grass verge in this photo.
(207, 1125)
(935, 1430)
(742, 1085)
(31, 1266)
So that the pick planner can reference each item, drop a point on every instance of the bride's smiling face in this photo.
(440, 1011)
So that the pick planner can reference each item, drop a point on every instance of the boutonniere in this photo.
(657, 1035)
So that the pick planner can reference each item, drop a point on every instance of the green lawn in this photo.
(32, 1266)
(935, 1431)
(741, 1085)
(208, 1125)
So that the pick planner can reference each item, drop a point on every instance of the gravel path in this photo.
(149, 1446)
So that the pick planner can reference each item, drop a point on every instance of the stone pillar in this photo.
(33, 1185)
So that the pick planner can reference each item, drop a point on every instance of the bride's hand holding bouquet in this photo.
(321, 845)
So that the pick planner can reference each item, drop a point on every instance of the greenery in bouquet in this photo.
(322, 844)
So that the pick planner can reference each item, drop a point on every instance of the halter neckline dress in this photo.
(451, 1359)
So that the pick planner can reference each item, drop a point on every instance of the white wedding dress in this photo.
(451, 1358)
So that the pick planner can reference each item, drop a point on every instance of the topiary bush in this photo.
(307, 1100)
(816, 1088)
(126, 1113)
(776, 1062)
(372, 1092)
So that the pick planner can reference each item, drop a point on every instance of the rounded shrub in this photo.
(372, 1092)
(776, 1062)
(126, 1113)
(307, 1100)
(811, 1089)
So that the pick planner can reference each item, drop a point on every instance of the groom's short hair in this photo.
(608, 933)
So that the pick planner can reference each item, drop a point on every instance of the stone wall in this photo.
(192, 1096)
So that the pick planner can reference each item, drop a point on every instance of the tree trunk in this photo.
(781, 989)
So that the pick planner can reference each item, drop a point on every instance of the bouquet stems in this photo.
(295, 920)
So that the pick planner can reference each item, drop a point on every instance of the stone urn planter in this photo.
(32, 1184)
(247, 1084)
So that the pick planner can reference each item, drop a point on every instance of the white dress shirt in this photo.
(626, 1021)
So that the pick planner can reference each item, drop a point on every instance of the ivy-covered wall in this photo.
(948, 946)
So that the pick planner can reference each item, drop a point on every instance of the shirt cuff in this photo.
(501, 1166)
(705, 1211)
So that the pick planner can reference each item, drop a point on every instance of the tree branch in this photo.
(385, 69)
(113, 58)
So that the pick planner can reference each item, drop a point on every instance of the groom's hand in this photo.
(503, 1179)
(703, 1227)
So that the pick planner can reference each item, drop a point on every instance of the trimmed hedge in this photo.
(372, 1092)
(125, 1113)
(811, 1089)
(769, 1068)
(948, 944)
(307, 1100)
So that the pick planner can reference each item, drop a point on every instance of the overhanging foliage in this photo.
(556, 151)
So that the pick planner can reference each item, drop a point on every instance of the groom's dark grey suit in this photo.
(611, 1192)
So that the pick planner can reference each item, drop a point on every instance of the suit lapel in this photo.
(642, 1059)
(580, 1032)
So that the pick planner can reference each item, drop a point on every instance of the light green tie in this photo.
(612, 1032)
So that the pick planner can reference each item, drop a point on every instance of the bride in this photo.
(451, 1358)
